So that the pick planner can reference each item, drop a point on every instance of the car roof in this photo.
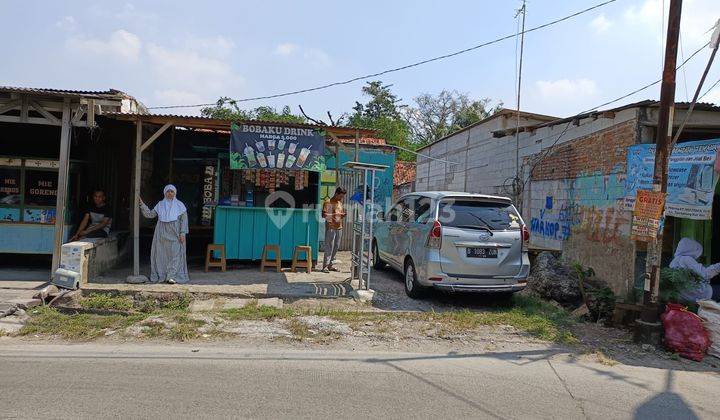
(439, 195)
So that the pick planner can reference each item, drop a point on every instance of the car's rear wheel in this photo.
(412, 287)
(378, 264)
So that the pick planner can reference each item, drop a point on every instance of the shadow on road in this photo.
(666, 404)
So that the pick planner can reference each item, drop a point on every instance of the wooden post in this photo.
(62, 183)
(172, 153)
(136, 198)
(663, 137)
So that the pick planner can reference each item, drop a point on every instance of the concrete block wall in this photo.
(471, 160)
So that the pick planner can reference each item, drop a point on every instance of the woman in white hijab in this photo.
(167, 257)
(686, 255)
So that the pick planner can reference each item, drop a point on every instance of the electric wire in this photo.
(581, 114)
(396, 69)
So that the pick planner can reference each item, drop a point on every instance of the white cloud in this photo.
(566, 88)
(601, 23)
(649, 12)
(286, 48)
(698, 16)
(188, 76)
(311, 56)
(121, 43)
(317, 58)
(67, 23)
(176, 96)
(216, 46)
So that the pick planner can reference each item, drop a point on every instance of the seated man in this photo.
(98, 218)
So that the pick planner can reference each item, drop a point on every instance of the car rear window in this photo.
(476, 214)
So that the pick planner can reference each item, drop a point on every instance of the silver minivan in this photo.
(454, 241)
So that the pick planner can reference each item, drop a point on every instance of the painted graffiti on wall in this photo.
(590, 205)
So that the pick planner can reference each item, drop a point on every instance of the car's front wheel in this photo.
(412, 287)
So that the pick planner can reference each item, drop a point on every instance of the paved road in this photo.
(139, 381)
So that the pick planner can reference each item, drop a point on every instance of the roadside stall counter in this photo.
(275, 171)
(246, 230)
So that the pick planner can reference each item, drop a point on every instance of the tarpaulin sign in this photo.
(691, 177)
(276, 147)
(646, 215)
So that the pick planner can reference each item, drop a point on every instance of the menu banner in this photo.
(277, 147)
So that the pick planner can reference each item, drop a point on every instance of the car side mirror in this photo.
(381, 215)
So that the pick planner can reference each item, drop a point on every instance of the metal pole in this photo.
(62, 184)
(370, 229)
(663, 137)
(516, 187)
(362, 229)
(136, 199)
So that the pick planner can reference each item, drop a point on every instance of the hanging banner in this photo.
(691, 177)
(646, 215)
(276, 147)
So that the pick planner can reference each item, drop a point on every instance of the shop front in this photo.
(245, 184)
(270, 194)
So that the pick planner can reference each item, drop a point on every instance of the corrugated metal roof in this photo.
(366, 140)
(63, 92)
(499, 113)
(198, 121)
(700, 106)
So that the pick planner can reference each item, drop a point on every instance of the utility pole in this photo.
(516, 187)
(662, 154)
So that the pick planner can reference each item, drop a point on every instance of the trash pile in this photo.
(573, 287)
(684, 332)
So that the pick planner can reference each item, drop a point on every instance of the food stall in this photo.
(269, 190)
(246, 183)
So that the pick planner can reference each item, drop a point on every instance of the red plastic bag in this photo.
(684, 332)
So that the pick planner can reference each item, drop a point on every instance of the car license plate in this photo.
(482, 252)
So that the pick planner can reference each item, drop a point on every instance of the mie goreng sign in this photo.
(276, 147)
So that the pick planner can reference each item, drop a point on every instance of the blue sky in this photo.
(184, 52)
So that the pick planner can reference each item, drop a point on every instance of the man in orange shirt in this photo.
(334, 214)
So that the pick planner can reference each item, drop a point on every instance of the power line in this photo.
(580, 114)
(396, 69)
(717, 82)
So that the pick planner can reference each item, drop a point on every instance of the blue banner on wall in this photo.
(691, 177)
(276, 147)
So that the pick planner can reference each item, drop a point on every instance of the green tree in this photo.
(435, 116)
(382, 112)
(228, 109)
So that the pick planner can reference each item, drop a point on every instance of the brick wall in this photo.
(601, 152)
(576, 195)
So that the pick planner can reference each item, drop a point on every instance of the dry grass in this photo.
(527, 314)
